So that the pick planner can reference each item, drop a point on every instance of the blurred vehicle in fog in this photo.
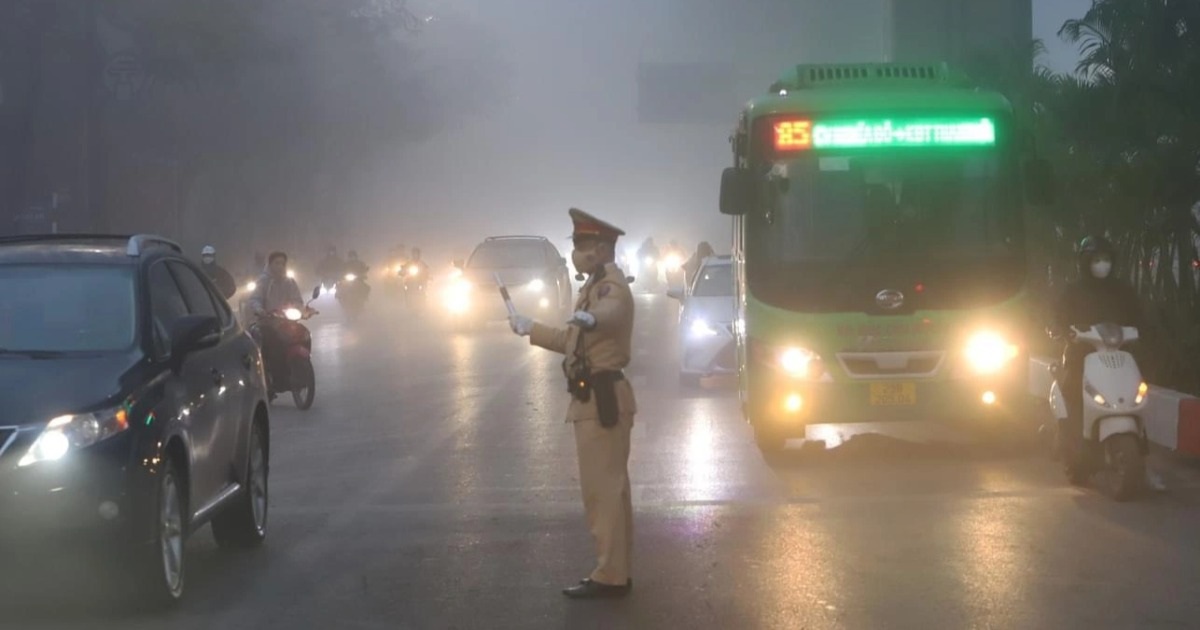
(706, 342)
(532, 268)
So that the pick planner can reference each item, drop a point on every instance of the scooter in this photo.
(1114, 443)
(296, 374)
(352, 293)
(415, 276)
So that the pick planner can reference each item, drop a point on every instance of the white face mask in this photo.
(1101, 269)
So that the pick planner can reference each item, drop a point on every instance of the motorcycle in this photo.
(352, 291)
(1114, 396)
(295, 373)
(415, 276)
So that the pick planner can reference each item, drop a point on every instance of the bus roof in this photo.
(874, 87)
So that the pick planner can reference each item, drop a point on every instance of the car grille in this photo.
(6, 436)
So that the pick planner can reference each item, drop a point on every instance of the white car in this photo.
(706, 343)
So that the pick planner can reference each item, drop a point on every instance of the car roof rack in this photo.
(515, 237)
(138, 242)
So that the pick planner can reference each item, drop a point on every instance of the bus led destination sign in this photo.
(805, 134)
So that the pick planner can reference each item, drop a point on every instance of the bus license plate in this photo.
(893, 394)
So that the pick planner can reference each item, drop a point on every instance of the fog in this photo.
(566, 131)
(260, 125)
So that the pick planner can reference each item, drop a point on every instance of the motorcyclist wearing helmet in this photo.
(356, 266)
(692, 266)
(221, 278)
(1096, 297)
(331, 268)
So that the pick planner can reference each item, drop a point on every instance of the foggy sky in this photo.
(565, 131)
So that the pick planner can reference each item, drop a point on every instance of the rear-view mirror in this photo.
(193, 332)
(737, 188)
(1039, 182)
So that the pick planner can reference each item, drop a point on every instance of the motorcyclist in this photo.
(356, 266)
(692, 266)
(275, 292)
(331, 267)
(219, 276)
(1096, 297)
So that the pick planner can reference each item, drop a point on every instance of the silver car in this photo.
(706, 343)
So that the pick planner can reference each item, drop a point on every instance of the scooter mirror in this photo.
(316, 292)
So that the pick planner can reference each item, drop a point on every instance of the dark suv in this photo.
(530, 266)
(133, 404)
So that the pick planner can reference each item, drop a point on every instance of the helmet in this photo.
(208, 250)
(1091, 246)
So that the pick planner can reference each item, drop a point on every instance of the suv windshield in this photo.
(508, 254)
(714, 281)
(66, 308)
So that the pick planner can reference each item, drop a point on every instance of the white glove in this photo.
(583, 319)
(521, 325)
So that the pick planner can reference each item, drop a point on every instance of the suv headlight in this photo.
(989, 352)
(67, 433)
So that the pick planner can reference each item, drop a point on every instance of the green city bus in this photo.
(879, 250)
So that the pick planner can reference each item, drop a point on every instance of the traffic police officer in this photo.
(596, 346)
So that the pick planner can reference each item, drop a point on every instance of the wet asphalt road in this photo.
(434, 485)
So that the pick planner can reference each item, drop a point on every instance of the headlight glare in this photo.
(293, 314)
(537, 285)
(799, 362)
(701, 328)
(988, 352)
(66, 433)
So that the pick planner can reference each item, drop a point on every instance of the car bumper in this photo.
(92, 493)
(490, 307)
(707, 356)
(788, 406)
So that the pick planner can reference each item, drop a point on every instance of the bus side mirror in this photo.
(737, 188)
(1039, 182)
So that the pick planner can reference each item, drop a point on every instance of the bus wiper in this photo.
(32, 354)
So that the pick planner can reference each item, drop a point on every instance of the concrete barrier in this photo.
(1172, 418)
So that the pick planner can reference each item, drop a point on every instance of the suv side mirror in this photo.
(675, 294)
(191, 333)
(737, 191)
(1039, 182)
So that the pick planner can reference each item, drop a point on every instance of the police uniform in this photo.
(601, 410)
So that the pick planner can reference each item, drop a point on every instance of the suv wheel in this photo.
(163, 561)
(244, 524)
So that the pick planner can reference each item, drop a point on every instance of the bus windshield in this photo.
(942, 205)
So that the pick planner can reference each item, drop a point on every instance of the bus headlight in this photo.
(800, 363)
(988, 352)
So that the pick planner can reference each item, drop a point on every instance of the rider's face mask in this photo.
(1101, 267)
